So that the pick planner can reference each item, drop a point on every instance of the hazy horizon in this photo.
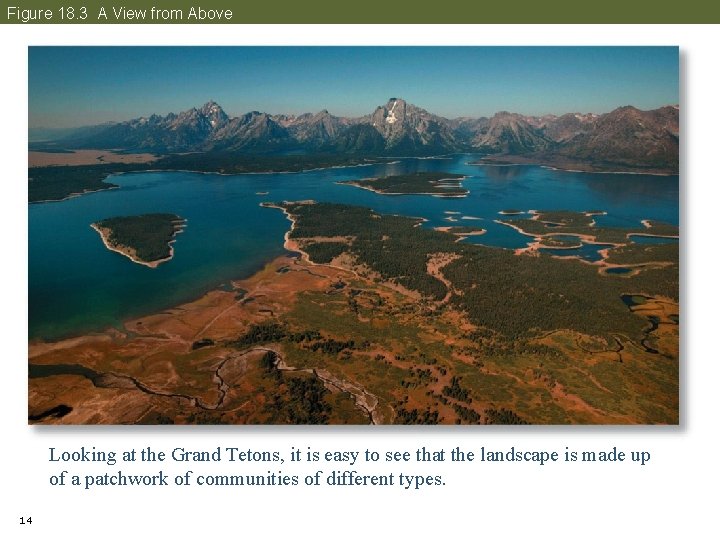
(79, 86)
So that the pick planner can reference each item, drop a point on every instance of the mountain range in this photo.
(626, 138)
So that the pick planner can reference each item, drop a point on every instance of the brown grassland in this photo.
(85, 157)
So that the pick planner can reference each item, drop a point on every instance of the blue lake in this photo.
(589, 252)
(619, 270)
(638, 239)
(76, 285)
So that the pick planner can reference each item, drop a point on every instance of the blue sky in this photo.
(72, 86)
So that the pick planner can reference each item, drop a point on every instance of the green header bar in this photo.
(366, 11)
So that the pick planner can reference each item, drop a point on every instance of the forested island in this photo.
(145, 239)
(438, 184)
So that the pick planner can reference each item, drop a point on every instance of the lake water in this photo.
(589, 252)
(76, 285)
(639, 239)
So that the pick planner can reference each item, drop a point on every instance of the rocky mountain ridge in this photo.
(626, 136)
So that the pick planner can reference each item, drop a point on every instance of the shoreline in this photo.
(288, 244)
(648, 235)
(130, 253)
(567, 169)
(76, 195)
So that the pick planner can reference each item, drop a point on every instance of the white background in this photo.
(673, 496)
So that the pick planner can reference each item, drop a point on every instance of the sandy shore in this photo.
(460, 235)
(289, 243)
(656, 173)
(477, 232)
(441, 195)
(648, 235)
(355, 183)
(130, 252)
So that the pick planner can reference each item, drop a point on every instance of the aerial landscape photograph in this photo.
(354, 235)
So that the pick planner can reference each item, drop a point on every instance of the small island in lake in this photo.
(437, 184)
(145, 239)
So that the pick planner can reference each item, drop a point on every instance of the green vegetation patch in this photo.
(456, 391)
(645, 253)
(465, 229)
(324, 252)
(416, 416)
(393, 246)
(502, 416)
